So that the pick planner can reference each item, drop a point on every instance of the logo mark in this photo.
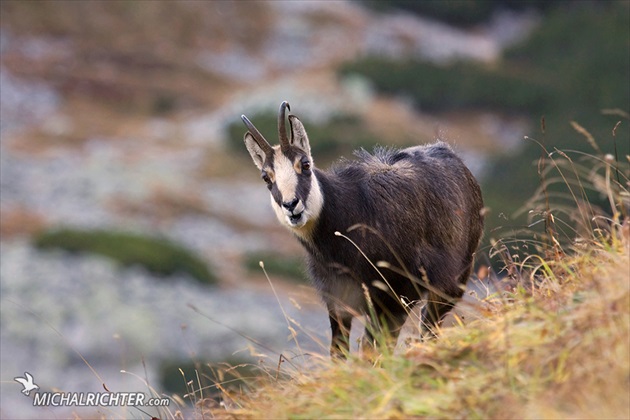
(27, 383)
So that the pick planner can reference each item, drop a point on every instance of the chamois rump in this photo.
(381, 232)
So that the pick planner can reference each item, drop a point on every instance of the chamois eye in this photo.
(306, 165)
(266, 178)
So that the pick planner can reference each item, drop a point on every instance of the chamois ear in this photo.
(298, 134)
(256, 152)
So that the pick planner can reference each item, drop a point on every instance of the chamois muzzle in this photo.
(290, 205)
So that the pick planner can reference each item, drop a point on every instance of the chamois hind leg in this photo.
(436, 307)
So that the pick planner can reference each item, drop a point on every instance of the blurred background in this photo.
(133, 219)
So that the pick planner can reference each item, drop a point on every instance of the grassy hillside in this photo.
(554, 341)
(558, 347)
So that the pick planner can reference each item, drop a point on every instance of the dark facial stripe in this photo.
(303, 186)
(275, 193)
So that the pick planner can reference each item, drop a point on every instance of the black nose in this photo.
(290, 205)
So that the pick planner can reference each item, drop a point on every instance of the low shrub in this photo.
(462, 85)
(460, 12)
(158, 255)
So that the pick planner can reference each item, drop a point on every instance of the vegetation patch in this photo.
(459, 12)
(275, 264)
(158, 255)
(460, 85)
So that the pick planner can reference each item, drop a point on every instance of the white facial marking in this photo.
(280, 212)
(315, 200)
(286, 178)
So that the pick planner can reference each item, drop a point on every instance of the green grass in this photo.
(158, 255)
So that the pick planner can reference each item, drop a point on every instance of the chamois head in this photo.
(288, 171)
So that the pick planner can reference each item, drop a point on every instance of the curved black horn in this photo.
(260, 140)
(282, 124)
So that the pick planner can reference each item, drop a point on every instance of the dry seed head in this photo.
(589, 137)
(380, 285)
(366, 293)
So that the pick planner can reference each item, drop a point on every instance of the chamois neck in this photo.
(341, 204)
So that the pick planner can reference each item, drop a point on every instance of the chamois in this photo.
(381, 232)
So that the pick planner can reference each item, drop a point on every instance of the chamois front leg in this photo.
(340, 324)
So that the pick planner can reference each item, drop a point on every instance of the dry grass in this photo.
(558, 350)
(555, 343)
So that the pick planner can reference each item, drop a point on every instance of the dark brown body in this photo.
(416, 213)
(417, 209)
